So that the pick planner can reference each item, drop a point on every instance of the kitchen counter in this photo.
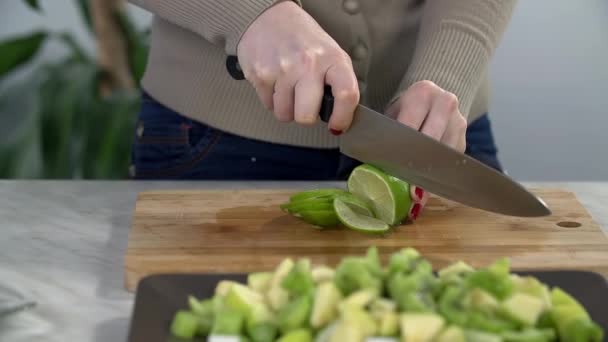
(62, 244)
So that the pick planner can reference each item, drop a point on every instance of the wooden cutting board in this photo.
(244, 230)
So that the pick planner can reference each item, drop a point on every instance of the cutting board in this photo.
(244, 231)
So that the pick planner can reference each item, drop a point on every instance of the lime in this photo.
(321, 218)
(354, 220)
(316, 193)
(360, 206)
(388, 196)
(313, 203)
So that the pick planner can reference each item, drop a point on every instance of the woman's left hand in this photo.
(433, 111)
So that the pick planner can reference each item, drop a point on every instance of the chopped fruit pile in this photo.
(363, 301)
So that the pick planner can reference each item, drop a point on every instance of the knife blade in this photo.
(412, 156)
(418, 159)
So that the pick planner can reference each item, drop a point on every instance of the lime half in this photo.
(388, 196)
(357, 221)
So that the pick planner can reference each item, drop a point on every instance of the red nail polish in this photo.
(419, 193)
(335, 131)
(415, 211)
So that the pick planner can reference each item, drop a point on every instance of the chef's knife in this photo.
(418, 159)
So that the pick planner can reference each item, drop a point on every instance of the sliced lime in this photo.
(388, 196)
(354, 220)
(321, 218)
(312, 203)
(316, 193)
(360, 206)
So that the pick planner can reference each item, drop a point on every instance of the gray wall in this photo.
(550, 75)
(550, 91)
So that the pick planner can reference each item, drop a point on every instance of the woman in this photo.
(421, 62)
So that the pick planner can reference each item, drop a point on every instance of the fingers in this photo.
(308, 94)
(443, 107)
(416, 103)
(283, 99)
(455, 134)
(345, 90)
(263, 80)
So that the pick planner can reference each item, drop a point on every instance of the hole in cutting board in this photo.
(569, 224)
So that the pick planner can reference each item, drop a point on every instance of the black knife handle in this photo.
(327, 102)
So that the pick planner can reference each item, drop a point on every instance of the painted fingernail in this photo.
(415, 211)
(335, 131)
(419, 193)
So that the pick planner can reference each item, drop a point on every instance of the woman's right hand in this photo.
(288, 58)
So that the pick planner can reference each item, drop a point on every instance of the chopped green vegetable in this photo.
(227, 322)
(295, 314)
(299, 280)
(362, 301)
(185, 324)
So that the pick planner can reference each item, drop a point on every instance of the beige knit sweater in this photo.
(392, 44)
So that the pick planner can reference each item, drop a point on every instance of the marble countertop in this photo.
(62, 246)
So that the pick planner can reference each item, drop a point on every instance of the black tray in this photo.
(160, 296)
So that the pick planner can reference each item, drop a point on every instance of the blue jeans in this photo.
(168, 145)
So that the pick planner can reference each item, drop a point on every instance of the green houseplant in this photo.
(68, 118)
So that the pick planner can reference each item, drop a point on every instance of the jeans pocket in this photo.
(169, 146)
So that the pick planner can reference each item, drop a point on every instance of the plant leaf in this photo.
(33, 4)
(85, 14)
(78, 53)
(19, 50)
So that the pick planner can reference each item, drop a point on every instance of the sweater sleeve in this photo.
(455, 43)
(221, 22)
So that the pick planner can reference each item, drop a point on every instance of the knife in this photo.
(416, 158)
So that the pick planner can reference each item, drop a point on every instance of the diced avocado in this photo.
(347, 331)
(524, 308)
(451, 334)
(223, 287)
(420, 327)
(327, 297)
(223, 338)
(242, 299)
(559, 298)
(403, 261)
(530, 285)
(495, 279)
(259, 281)
(295, 314)
(388, 324)
(481, 300)
(201, 308)
(281, 272)
(325, 333)
(456, 269)
(298, 335)
(573, 324)
(262, 332)
(217, 302)
(184, 324)
(227, 322)
(360, 299)
(355, 274)
(261, 324)
(299, 280)
(322, 274)
(480, 336)
(381, 305)
(277, 296)
(529, 335)
(360, 318)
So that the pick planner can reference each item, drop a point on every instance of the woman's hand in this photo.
(426, 107)
(288, 58)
